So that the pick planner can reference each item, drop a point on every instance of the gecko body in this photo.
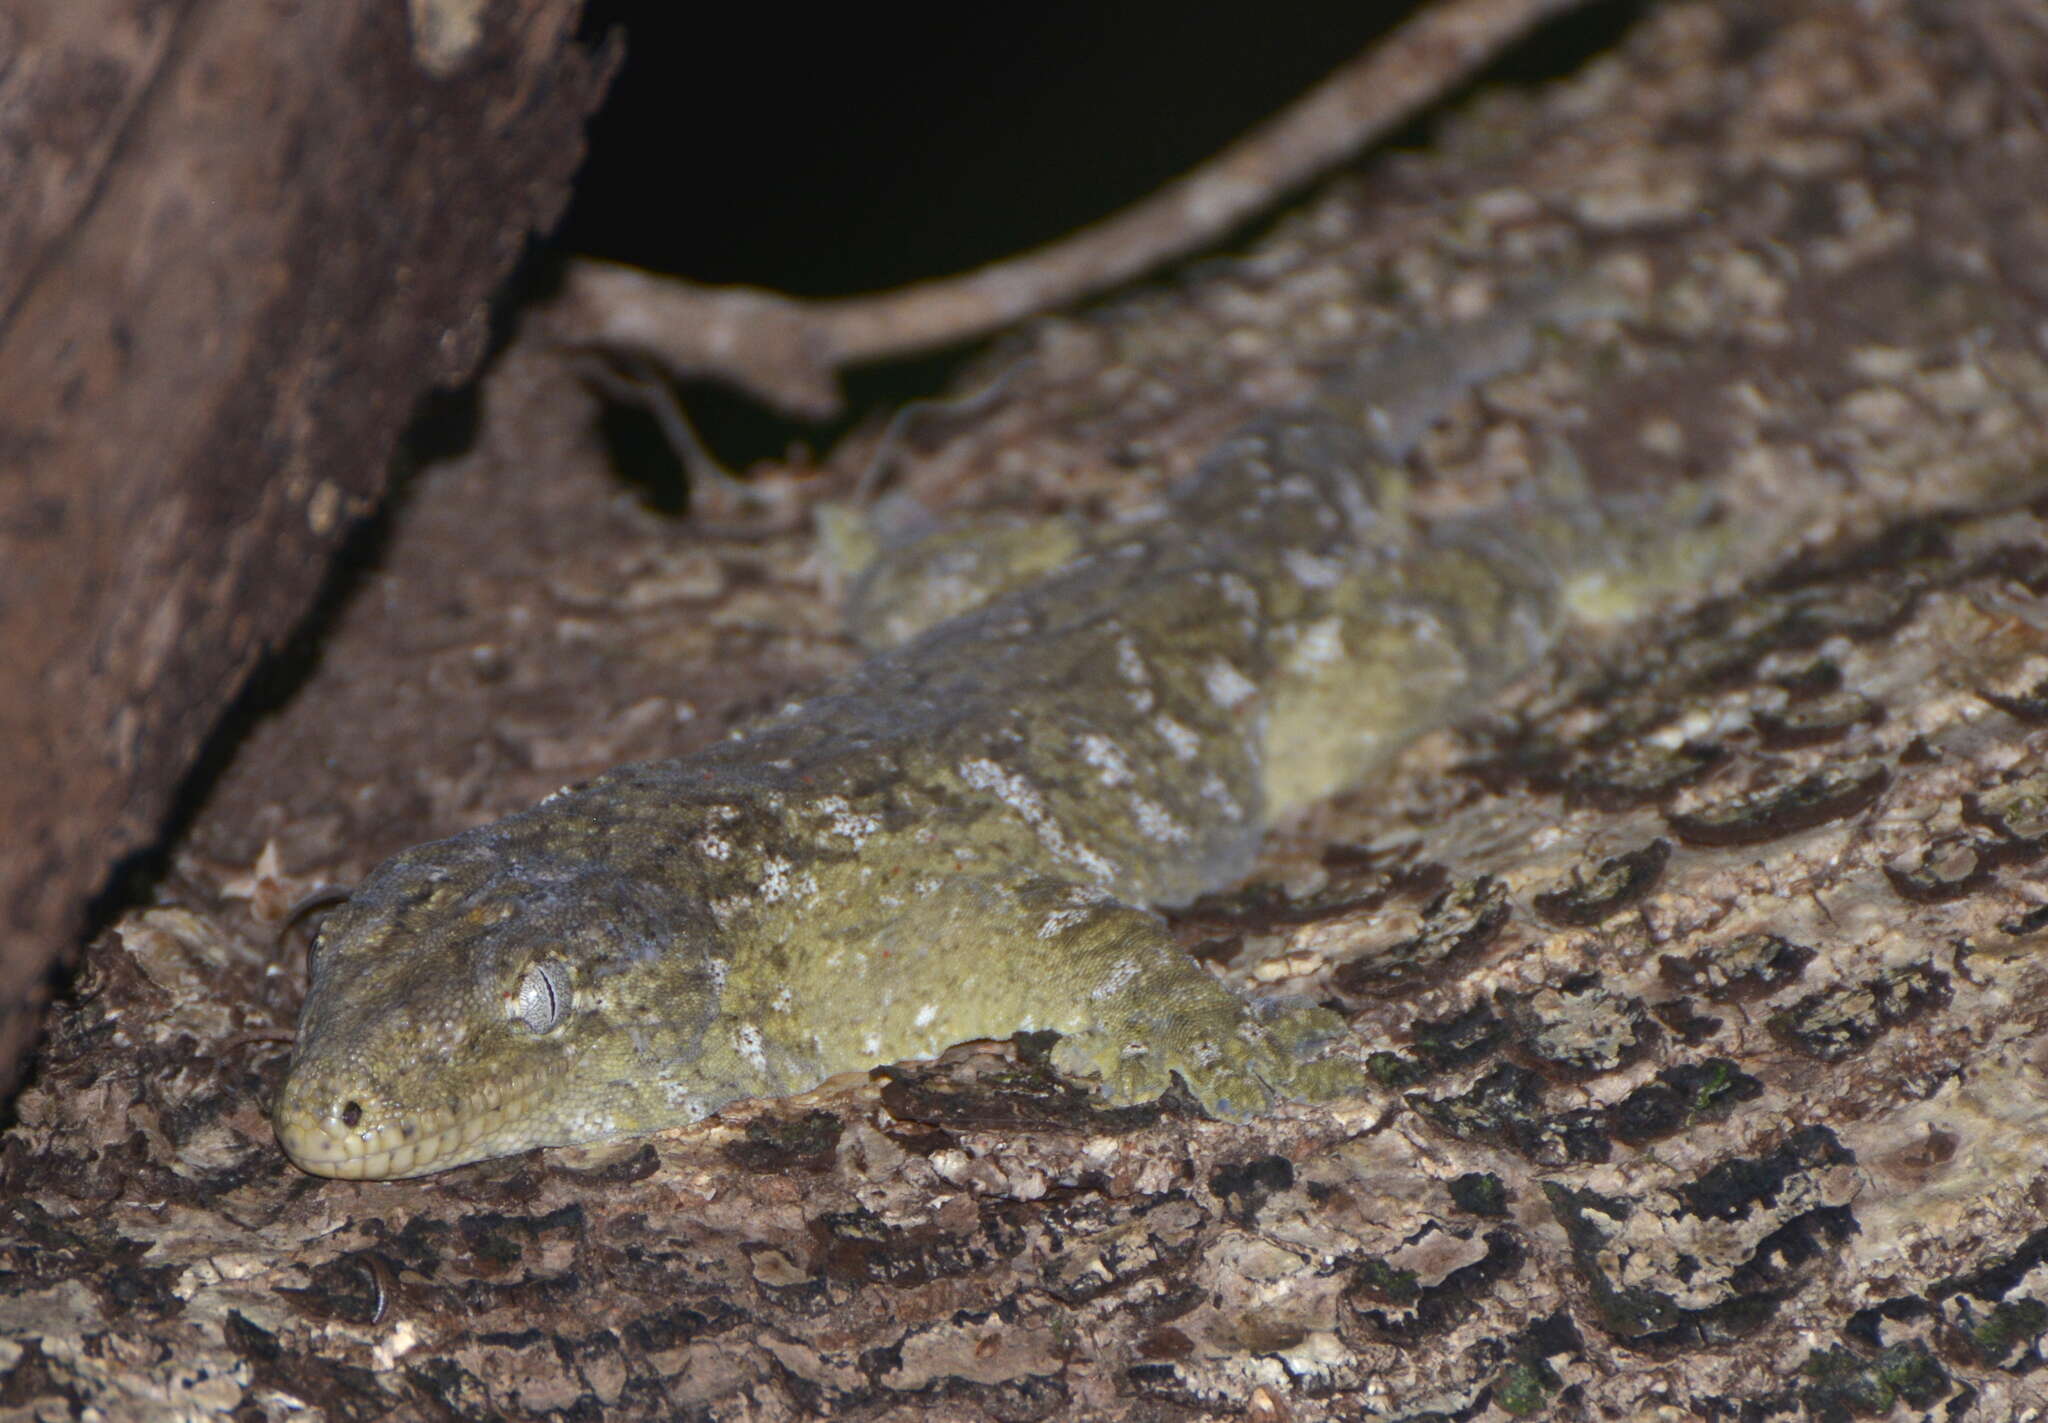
(963, 839)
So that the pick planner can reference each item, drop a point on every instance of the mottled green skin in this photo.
(960, 841)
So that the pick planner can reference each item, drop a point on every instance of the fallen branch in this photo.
(788, 352)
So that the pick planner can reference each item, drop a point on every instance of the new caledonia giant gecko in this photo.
(965, 837)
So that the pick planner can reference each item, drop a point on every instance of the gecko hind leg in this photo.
(1140, 1012)
(904, 572)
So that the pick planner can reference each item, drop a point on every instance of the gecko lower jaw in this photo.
(413, 1145)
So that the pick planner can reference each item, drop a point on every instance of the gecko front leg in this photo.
(1135, 1011)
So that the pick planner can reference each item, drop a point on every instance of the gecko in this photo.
(967, 837)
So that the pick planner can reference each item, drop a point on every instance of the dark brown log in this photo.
(236, 244)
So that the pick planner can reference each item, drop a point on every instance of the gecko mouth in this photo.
(349, 1143)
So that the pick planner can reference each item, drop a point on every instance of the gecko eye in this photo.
(542, 997)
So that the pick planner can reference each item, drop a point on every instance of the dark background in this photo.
(852, 149)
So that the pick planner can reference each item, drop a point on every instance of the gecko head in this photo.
(476, 998)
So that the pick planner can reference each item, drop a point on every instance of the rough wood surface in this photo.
(237, 242)
(1703, 974)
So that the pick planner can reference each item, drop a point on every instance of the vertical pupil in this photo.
(537, 1000)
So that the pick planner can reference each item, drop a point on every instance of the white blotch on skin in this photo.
(925, 1015)
(1320, 644)
(1116, 980)
(1240, 594)
(784, 999)
(1358, 509)
(1215, 790)
(1014, 791)
(1179, 739)
(748, 1039)
(1081, 903)
(1156, 822)
(714, 847)
(1107, 758)
(774, 879)
(1130, 662)
(1059, 921)
(872, 1044)
(856, 828)
(1227, 686)
(1312, 572)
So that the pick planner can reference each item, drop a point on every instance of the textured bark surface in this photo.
(237, 243)
(1702, 977)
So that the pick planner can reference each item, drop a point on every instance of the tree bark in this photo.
(237, 242)
(1700, 977)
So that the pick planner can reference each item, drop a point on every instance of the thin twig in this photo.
(918, 412)
(789, 352)
(635, 380)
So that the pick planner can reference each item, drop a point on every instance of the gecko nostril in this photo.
(351, 1113)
